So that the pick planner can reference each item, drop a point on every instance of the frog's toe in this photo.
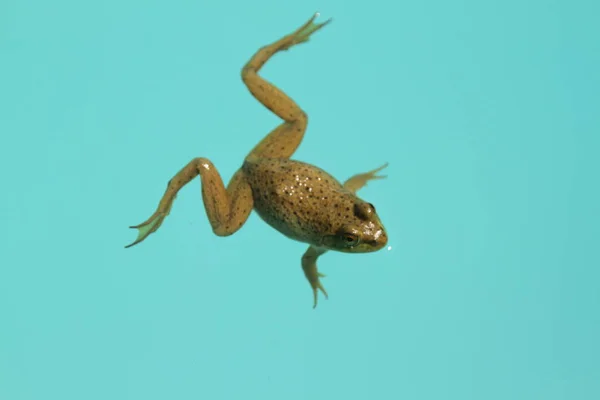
(373, 174)
(147, 227)
(316, 287)
(303, 34)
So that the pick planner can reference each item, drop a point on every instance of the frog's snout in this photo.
(380, 240)
(383, 239)
(372, 243)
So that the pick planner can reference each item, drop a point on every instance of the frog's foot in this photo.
(373, 174)
(302, 34)
(309, 265)
(147, 227)
(316, 286)
(359, 181)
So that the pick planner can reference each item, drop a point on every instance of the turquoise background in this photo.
(488, 112)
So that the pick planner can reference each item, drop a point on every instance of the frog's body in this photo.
(305, 203)
(300, 200)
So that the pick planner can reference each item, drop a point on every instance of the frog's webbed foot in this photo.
(359, 181)
(147, 227)
(309, 265)
(302, 34)
(152, 224)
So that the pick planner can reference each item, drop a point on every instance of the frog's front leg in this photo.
(309, 265)
(227, 208)
(358, 181)
(309, 259)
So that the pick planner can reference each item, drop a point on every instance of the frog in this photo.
(301, 201)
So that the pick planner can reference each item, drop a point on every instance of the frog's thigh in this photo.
(281, 142)
(227, 208)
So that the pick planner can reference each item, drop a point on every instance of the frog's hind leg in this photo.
(283, 141)
(227, 208)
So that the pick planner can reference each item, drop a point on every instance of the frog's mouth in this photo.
(365, 247)
(368, 246)
(378, 241)
(362, 245)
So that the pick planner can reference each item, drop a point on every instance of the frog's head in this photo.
(359, 231)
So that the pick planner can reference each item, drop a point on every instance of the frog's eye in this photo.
(350, 239)
(363, 211)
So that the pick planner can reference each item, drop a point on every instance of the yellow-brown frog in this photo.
(300, 200)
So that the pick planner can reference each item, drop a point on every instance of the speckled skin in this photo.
(305, 203)
(301, 201)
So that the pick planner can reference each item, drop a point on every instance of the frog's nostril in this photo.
(382, 239)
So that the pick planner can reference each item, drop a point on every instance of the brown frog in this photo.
(301, 201)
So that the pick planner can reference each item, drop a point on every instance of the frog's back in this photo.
(294, 197)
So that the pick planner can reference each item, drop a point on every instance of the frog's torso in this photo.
(300, 200)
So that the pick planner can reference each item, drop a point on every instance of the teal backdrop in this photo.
(487, 111)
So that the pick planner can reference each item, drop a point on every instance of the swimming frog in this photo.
(299, 200)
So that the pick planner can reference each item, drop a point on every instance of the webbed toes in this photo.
(146, 228)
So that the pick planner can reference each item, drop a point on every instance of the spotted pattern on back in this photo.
(299, 200)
